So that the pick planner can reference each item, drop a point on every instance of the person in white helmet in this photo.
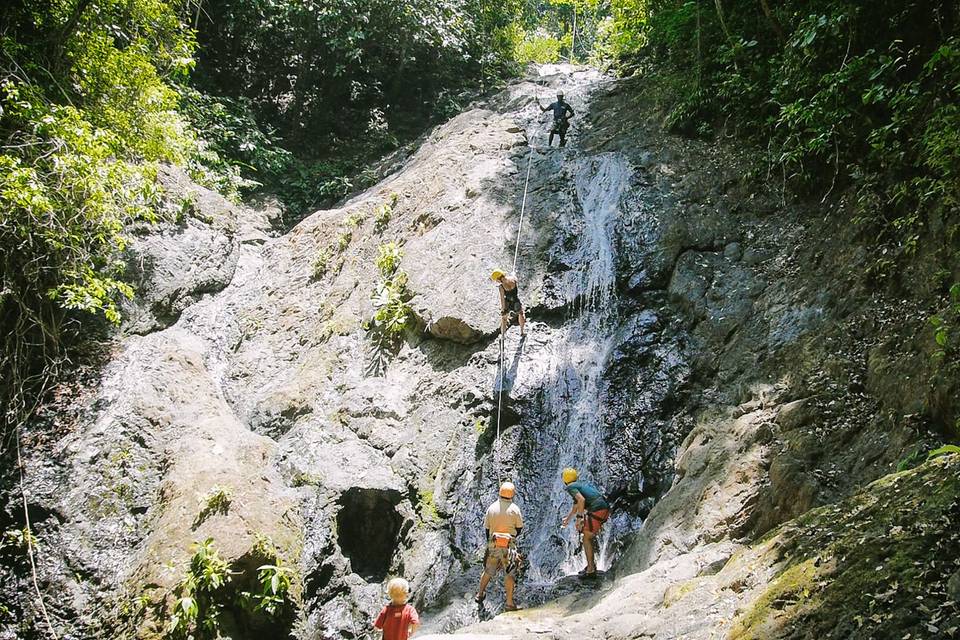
(562, 112)
(503, 524)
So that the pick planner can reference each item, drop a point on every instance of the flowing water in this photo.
(569, 372)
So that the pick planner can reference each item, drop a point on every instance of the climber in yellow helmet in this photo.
(591, 510)
(509, 301)
(503, 524)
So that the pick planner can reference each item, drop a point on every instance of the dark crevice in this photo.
(368, 528)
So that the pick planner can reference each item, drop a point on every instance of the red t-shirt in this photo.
(395, 620)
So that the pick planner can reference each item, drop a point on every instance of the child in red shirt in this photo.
(398, 620)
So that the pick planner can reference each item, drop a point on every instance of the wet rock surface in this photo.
(697, 347)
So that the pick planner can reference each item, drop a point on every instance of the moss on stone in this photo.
(873, 566)
(790, 592)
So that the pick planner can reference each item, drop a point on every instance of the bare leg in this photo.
(588, 550)
(504, 324)
(509, 583)
(484, 581)
(523, 321)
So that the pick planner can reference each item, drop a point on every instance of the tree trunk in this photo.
(699, 49)
(723, 22)
(70, 26)
(772, 19)
(573, 39)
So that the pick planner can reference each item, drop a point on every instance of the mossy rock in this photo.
(874, 566)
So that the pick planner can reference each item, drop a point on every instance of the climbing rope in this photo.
(516, 254)
(28, 538)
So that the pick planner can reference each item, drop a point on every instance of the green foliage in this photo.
(343, 240)
(383, 213)
(273, 595)
(539, 46)
(18, 539)
(322, 262)
(87, 109)
(217, 501)
(199, 594)
(348, 79)
(353, 220)
(388, 260)
(204, 594)
(390, 300)
(944, 324)
(841, 97)
(393, 312)
(946, 449)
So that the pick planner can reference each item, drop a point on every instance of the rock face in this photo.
(695, 348)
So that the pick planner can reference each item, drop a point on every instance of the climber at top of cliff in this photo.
(509, 301)
(591, 509)
(562, 112)
(502, 523)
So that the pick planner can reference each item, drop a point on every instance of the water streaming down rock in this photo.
(567, 374)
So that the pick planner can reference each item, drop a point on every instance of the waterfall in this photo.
(568, 371)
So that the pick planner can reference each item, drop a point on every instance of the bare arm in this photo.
(503, 300)
(579, 506)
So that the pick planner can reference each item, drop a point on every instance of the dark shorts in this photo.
(560, 126)
(513, 306)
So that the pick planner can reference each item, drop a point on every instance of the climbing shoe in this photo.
(510, 607)
(479, 598)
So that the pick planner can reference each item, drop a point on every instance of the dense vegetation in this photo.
(844, 97)
(308, 93)
(294, 95)
(87, 112)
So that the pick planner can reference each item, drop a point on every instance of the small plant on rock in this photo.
(390, 298)
(354, 219)
(217, 501)
(383, 213)
(343, 240)
(274, 580)
(197, 607)
(388, 259)
(322, 263)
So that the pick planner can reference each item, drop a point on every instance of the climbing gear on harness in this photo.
(507, 490)
(595, 520)
(496, 275)
(569, 475)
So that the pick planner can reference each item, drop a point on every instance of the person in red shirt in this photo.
(398, 620)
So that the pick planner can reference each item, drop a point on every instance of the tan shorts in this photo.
(498, 559)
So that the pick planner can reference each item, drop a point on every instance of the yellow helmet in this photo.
(497, 274)
(569, 475)
(507, 490)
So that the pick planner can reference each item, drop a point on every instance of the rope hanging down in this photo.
(516, 254)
